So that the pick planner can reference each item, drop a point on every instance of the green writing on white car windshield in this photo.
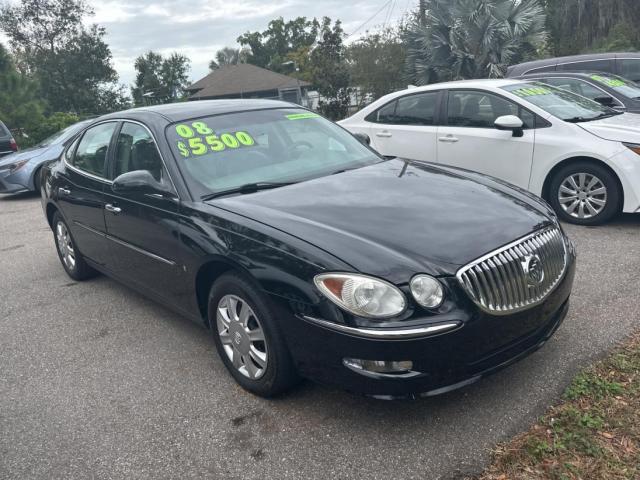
(302, 116)
(609, 82)
(532, 91)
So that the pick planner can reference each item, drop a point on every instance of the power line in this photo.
(372, 17)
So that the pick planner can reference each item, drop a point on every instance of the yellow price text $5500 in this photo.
(199, 139)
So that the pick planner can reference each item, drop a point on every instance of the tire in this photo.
(71, 259)
(36, 181)
(585, 193)
(262, 367)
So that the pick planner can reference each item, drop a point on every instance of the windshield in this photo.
(621, 85)
(560, 103)
(63, 135)
(226, 152)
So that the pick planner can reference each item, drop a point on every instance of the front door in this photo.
(80, 191)
(143, 229)
(470, 140)
(407, 127)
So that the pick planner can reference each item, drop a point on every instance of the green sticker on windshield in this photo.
(530, 92)
(198, 139)
(302, 116)
(610, 82)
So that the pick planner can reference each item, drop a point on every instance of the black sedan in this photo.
(305, 253)
(605, 88)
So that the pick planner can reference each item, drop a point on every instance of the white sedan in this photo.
(582, 157)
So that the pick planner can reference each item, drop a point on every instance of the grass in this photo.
(593, 434)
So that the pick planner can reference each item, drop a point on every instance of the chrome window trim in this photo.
(386, 333)
(105, 180)
(125, 244)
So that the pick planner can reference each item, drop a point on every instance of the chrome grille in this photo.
(519, 275)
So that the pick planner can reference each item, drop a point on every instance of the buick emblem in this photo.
(533, 270)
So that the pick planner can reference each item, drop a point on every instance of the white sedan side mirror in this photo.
(510, 122)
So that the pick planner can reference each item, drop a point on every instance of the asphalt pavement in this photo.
(98, 382)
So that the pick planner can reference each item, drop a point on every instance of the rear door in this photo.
(80, 190)
(470, 140)
(407, 126)
(143, 229)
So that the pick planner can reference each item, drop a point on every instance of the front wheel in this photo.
(585, 194)
(248, 339)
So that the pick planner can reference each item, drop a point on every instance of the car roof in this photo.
(586, 75)
(176, 112)
(521, 68)
(480, 83)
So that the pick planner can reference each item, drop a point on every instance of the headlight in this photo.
(14, 167)
(633, 147)
(361, 295)
(427, 291)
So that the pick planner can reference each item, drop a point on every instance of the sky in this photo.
(198, 29)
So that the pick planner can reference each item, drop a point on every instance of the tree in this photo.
(70, 61)
(160, 79)
(20, 106)
(330, 72)
(229, 56)
(580, 26)
(473, 39)
(376, 63)
(272, 47)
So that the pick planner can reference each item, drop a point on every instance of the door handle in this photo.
(449, 139)
(384, 135)
(64, 191)
(113, 209)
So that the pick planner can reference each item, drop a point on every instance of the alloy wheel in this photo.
(65, 246)
(242, 336)
(583, 195)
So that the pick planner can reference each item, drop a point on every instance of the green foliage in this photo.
(376, 63)
(582, 26)
(592, 386)
(273, 47)
(159, 79)
(52, 124)
(69, 60)
(229, 56)
(330, 72)
(463, 39)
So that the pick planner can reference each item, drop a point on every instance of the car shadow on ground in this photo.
(14, 197)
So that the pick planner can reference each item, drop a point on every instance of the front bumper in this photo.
(9, 183)
(479, 345)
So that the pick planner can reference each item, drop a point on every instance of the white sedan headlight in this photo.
(361, 295)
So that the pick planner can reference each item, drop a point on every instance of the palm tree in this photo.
(463, 39)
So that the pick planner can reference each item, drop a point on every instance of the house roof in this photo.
(239, 79)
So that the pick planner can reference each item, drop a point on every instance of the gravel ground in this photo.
(98, 382)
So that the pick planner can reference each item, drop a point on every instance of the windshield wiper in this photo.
(246, 189)
(590, 119)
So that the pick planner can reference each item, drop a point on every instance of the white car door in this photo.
(470, 140)
(407, 127)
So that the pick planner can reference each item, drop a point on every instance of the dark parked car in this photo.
(8, 144)
(626, 65)
(306, 253)
(606, 89)
(21, 171)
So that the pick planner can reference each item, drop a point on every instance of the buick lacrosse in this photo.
(305, 253)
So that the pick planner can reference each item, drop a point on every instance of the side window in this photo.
(91, 155)
(479, 109)
(602, 65)
(630, 69)
(548, 68)
(419, 109)
(384, 114)
(579, 87)
(136, 150)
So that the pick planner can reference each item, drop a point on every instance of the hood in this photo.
(397, 218)
(27, 154)
(621, 128)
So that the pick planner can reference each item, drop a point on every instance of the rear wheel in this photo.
(71, 259)
(248, 338)
(585, 194)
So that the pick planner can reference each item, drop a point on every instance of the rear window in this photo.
(4, 132)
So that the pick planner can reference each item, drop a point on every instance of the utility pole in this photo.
(423, 12)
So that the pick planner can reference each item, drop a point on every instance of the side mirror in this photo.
(363, 138)
(512, 123)
(140, 181)
(606, 101)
